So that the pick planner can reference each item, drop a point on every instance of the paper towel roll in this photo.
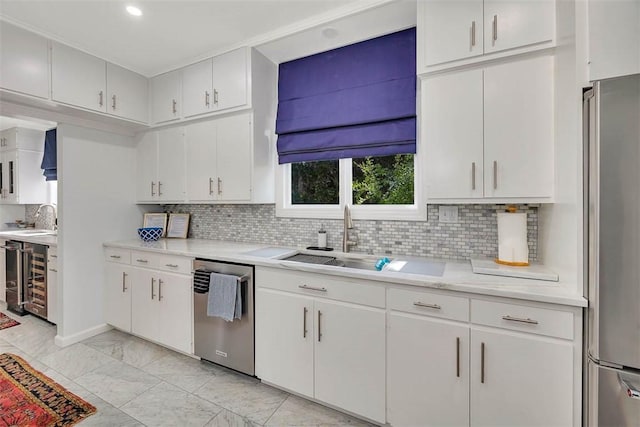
(512, 239)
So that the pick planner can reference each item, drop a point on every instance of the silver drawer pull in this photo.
(311, 288)
(172, 265)
(56, 256)
(421, 304)
(110, 256)
(520, 319)
(53, 269)
(142, 260)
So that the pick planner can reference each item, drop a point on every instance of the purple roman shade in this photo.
(355, 101)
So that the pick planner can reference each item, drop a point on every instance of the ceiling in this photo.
(174, 33)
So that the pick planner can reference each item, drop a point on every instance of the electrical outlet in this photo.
(448, 213)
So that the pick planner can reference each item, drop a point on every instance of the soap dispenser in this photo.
(322, 237)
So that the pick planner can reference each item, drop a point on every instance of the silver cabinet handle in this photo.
(172, 265)
(211, 186)
(495, 174)
(159, 188)
(219, 185)
(215, 96)
(53, 269)
(113, 102)
(153, 282)
(174, 106)
(206, 98)
(482, 363)
(458, 357)
(160, 282)
(630, 390)
(473, 175)
(101, 98)
(304, 322)
(144, 261)
(421, 304)
(319, 330)
(520, 319)
(124, 278)
(311, 288)
(495, 28)
(473, 33)
(153, 188)
(56, 256)
(110, 256)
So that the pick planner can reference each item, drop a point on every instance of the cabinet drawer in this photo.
(176, 264)
(543, 321)
(320, 285)
(122, 256)
(428, 303)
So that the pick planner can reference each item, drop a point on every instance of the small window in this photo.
(316, 183)
(387, 180)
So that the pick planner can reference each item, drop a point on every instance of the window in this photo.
(315, 183)
(387, 180)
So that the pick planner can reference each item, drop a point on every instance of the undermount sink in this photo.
(358, 263)
(34, 232)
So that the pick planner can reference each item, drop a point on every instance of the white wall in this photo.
(96, 196)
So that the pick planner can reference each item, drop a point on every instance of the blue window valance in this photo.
(355, 101)
(49, 161)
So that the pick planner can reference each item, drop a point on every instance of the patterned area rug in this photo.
(7, 322)
(29, 398)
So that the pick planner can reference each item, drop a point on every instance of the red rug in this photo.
(29, 398)
(7, 322)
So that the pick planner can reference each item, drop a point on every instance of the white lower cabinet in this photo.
(149, 302)
(52, 284)
(3, 277)
(324, 349)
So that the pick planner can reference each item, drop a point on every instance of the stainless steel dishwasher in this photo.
(229, 344)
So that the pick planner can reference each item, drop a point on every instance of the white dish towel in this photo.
(225, 297)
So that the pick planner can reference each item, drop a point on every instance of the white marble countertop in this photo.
(457, 275)
(40, 238)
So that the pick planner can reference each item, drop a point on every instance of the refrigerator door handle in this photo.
(630, 389)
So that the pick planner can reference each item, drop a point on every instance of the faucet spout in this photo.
(55, 213)
(348, 224)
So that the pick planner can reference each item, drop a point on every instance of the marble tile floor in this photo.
(133, 382)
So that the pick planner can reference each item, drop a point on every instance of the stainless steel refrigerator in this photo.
(612, 129)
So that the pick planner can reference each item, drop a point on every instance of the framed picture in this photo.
(156, 220)
(178, 225)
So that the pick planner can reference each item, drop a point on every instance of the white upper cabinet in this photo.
(197, 88)
(147, 167)
(127, 94)
(24, 61)
(216, 84)
(614, 38)
(201, 156)
(21, 180)
(489, 132)
(166, 97)
(471, 29)
(78, 78)
(451, 30)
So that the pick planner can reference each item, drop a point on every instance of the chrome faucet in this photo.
(55, 213)
(348, 224)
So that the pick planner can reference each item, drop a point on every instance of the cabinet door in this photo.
(147, 167)
(24, 61)
(127, 94)
(175, 310)
(234, 157)
(117, 296)
(166, 90)
(171, 165)
(452, 128)
(10, 176)
(230, 79)
(202, 173)
(518, 129)
(145, 315)
(284, 340)
(197, 88)
(427, 372)
(3, 277)
(509, 24)
(614, 38)
(350, 358)
(87, 87)
(451, 30)
(527, 380)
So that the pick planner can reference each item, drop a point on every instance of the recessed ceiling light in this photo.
(134, 11)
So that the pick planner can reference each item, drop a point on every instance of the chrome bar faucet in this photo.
(348, 224)
(55, 213)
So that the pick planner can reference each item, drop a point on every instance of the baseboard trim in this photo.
(82, 335)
